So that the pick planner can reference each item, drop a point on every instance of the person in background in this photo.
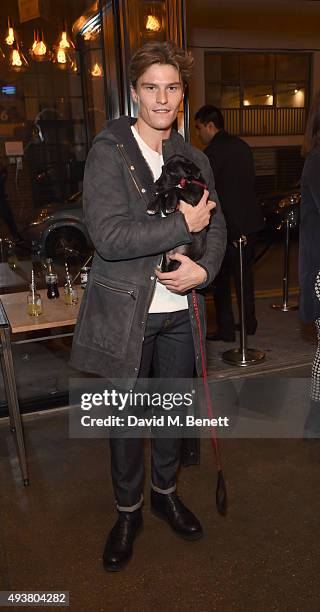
(309, 253)
(233, 168)
(5, 210)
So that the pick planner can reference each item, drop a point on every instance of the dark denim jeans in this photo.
(167, 352)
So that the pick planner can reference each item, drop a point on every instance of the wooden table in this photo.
(14, 319)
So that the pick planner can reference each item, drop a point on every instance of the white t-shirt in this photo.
(163, 300)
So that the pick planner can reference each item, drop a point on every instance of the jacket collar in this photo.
(119, 132)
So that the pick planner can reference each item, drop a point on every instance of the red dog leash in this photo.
(221, 491)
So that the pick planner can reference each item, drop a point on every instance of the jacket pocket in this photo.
(106, 320)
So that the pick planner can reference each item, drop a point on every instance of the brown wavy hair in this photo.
(160, 53)
(312, 132)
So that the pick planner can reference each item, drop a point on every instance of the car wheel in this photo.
(65, 243)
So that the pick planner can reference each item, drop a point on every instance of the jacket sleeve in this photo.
(312, 178)
(115, 233)
(216, 235)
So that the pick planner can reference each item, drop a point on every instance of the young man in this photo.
(232, 162)
(134, 318)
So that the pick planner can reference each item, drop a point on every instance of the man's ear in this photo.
(134, 94)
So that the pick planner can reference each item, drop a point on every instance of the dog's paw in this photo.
(154, 206)
(153, 210)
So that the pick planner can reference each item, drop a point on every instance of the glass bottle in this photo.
(12, 256)
(70, 295)
(34, 303)
(70, 292)
(51, 281)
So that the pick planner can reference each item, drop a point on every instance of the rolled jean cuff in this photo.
(164, 491)
(130, 508)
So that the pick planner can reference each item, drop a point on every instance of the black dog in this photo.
(180, 179)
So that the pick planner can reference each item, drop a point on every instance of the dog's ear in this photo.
(177, 169)
(185, 167)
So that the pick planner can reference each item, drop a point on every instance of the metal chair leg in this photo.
(13, 404)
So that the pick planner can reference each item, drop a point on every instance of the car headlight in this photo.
(291, 200)
(41, 219)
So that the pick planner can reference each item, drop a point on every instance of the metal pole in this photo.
(242, 356)
(285, 306)
(243, 331)
(12, 398)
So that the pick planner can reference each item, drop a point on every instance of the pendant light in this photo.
(96, 70)
(10, 37)
(17, 61)
(39, 50)
(64, 51)
(152, 23)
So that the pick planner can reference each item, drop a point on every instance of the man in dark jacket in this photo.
(5, 210)
(233, 167)
(134, 318)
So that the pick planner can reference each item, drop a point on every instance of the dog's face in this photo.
(176, 168)
(180, 179)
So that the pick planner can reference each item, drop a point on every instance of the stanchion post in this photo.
(243, 331)
(242, 356)
(285, 306)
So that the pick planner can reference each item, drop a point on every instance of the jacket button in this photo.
(136, 369)
(143, 190)
(131, 167)
(151, 277)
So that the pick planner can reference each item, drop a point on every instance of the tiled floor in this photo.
(264, 556)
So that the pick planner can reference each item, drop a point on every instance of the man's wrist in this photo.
(203, 275)
(205, 280)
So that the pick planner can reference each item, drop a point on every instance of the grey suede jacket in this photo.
(128, 246)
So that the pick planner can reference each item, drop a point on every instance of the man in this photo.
(5, 210)
(133, 317)
(233, 167)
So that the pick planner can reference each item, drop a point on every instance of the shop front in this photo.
(63, 73)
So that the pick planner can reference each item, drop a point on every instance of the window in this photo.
(236, 80)
(260, 94)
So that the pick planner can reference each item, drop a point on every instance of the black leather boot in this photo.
(170, 508)
(119, 545)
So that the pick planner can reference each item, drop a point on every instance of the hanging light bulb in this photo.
(61, 56)
(10, 38)
(64, 51)
(96, 70)
(153, 23)
(39, 50)
(17, 60)
(65, 41)
(35, 40)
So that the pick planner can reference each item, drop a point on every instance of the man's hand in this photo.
(197, 217)
(188, 275)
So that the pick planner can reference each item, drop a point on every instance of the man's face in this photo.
(204, 131)
(158, 93)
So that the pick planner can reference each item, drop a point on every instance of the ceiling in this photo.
(300, 15)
